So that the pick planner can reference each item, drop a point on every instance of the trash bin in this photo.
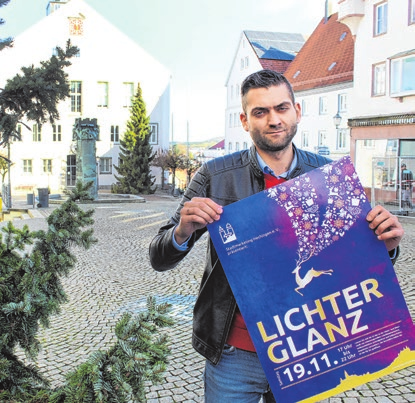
(43, 194)
(30, 198)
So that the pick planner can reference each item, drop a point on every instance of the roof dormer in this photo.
(54, 5)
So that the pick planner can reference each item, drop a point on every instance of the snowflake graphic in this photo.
(316, 229)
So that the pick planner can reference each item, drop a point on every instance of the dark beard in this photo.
(269, 146)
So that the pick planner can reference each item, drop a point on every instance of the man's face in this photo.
(270, 117)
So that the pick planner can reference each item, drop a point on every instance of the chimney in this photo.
(328, 10)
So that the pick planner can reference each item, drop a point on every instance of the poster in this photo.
(316, 288)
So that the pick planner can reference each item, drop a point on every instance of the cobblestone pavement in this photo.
(115, 276)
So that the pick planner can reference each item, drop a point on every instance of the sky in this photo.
(196, 40)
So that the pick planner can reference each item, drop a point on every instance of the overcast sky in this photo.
(195, 39)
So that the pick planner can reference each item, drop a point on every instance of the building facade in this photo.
(382, 116)
(103, 79)
(256, 50)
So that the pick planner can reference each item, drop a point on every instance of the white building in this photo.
(256, 50)
(382, 116)
(103, 78)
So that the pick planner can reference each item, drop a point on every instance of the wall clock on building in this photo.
(76, 26)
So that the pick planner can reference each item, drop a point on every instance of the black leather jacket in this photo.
(225, 180)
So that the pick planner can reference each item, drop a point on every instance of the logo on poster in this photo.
(228, 235)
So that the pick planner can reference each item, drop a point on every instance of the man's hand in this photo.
(386, 226)
(194, 215)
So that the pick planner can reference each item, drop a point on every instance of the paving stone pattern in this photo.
(115, 276)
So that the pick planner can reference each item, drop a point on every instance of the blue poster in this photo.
(315, 286)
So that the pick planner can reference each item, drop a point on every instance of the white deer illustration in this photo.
(302, 282)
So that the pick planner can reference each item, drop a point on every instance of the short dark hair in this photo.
(264, 79)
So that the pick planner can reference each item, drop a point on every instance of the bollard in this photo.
(29, 198)
(43, 194)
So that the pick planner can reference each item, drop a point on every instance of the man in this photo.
(233, 372)
(406, 183)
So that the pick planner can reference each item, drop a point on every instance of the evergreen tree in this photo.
(35, 93)
(31, 266)
(136, 152)
(30, 286)
(121, 373)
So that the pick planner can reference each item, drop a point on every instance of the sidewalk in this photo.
(115, 276)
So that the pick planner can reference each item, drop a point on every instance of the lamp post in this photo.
(97, 172)
(337, 119)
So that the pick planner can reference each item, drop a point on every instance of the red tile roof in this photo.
(331, 44)
(218, 146)
(276, 65)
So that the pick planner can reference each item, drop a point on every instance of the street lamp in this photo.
(97, 173)
(337, 119)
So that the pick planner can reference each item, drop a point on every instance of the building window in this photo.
(115, 134)
(154, 133)
(368, 143)
(411, 11)
(305, 139)
(343, 103)
(47, 166)
(70, 170)
(19, 132)
(57, 132)
(230, 147)
(379, 79)
(235, 120)
(105, 165)
(322, 137)
(102, 95)
(402, 76)
(245, 145)
(37, 132)
(305, 109)
(230, 120)
(76, 93)
(237, 146)
(341, 138)
(381, 19)
(27, 166)
(128, 90)
(323, 105)
(246, 62)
